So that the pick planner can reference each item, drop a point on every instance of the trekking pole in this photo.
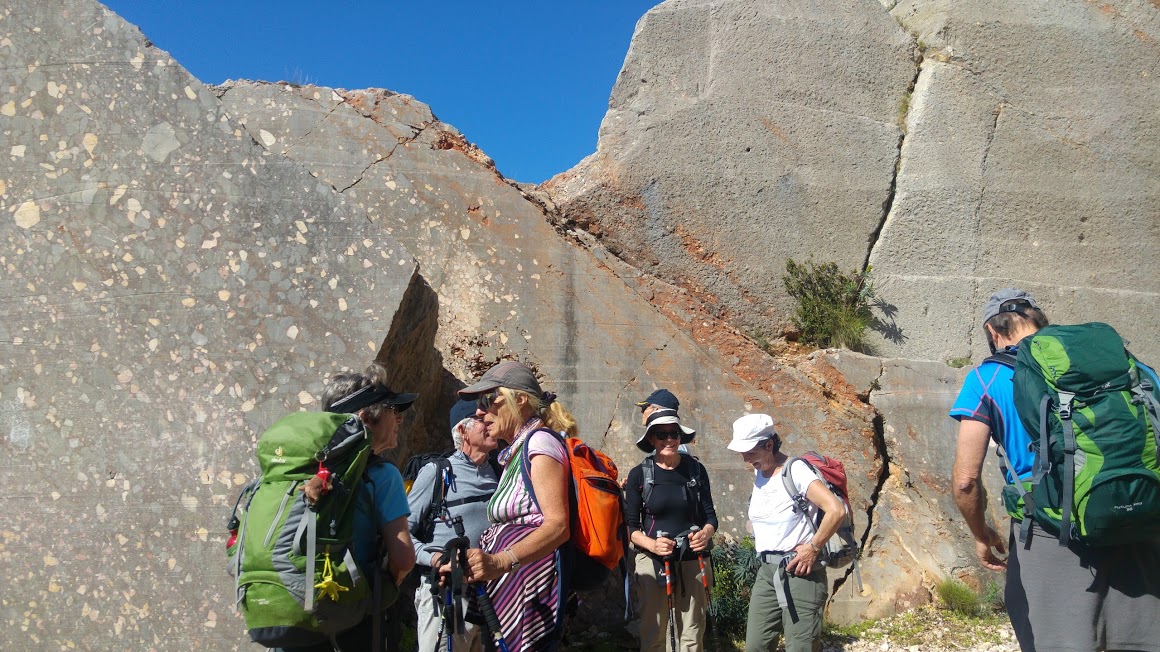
(454, 553)
(704, 575)
(701, 562)
(490, 617)
(669, 593)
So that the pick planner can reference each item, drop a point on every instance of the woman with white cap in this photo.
(790, 590)
(518, 554)
(670, 515)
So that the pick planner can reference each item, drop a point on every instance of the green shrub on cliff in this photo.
(833, 309)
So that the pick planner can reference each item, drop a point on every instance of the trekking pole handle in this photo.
(661, 534)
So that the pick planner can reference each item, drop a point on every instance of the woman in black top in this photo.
(677, 504)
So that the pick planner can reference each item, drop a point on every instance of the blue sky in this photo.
(526, 81)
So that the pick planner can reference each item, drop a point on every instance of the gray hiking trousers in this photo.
(1072, 599)
(768, 621)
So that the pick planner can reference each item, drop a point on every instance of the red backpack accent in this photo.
(832, 472)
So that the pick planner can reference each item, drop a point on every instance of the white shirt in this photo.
(771, 510)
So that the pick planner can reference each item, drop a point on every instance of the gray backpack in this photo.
(841, 549)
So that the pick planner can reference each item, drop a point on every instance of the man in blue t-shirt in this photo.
(1058, 598)
(382, 510)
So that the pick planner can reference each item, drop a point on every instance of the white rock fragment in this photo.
(27, 215)
(90, 142)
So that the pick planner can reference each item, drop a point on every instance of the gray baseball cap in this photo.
(995, 305)
(510, 374)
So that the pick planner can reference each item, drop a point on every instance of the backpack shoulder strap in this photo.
(649, 480)
(526, 460)
(798, 497)
(801, 503)
(439, 493)
(1006, 357)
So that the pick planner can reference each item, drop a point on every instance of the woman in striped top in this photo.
(519, 553)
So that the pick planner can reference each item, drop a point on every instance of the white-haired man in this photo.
(467, 480)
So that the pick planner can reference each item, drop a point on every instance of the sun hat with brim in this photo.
(662, 398)
(510, 374)
(1008, 300)
(660, 418)
(750, 430)
(372, 395)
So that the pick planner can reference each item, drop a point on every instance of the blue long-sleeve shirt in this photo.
(467, 495)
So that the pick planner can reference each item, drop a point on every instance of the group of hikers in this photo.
(492, 520)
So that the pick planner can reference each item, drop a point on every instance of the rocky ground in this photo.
(925, 629)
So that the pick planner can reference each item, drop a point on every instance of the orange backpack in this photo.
(598, 520)
(599, 536)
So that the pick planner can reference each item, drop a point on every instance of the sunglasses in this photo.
(485, 401)
(662, 435)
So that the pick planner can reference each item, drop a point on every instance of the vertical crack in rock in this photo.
(996, 114)
(883, 454)
(903, 118)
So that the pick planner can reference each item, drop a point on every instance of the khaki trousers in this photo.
(690, 605)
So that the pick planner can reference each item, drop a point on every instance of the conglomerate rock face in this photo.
(169, 288)
(184, 264)
(956, 147)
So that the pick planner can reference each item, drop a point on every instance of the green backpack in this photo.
(297, 583)
(1092, 414)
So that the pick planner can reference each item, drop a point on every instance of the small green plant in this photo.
(903, 109)
(833, 309)
(959, 598)
(734, 571)
(762, 339)
(959, 363)
(993, 597)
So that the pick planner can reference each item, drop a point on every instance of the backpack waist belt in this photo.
(772, 556)
(781, 580)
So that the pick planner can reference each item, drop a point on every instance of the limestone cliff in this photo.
(955, 147)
